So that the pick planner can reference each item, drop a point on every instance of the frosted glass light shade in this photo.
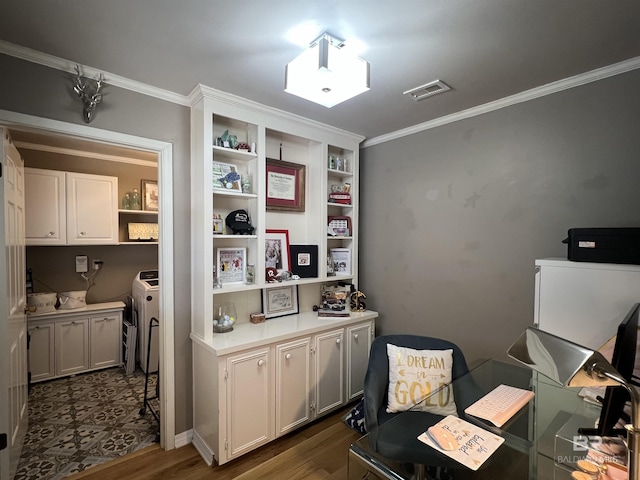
(326, 74)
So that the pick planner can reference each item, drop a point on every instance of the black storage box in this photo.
(604, 245)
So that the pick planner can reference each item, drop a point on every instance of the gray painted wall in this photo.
(453, 218)
(37, 90)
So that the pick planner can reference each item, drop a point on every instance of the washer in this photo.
(146, 305)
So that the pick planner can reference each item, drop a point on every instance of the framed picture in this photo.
(226, 177)
(276, 250)
(231, 265)
(341, 261)
(280, 301)
(285, 186)
(304, 260)
(339, 226)
(150, 195)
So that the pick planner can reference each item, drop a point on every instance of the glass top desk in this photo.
(541, 440)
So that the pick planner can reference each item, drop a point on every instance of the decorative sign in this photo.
(475, 445)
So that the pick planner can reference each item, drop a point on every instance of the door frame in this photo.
(164, 150)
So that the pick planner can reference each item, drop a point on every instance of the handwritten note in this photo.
(475, 445)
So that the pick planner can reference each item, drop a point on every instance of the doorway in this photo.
(163, 151)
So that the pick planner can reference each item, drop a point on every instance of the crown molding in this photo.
(202, 91)
(112, 79)
(544, 90)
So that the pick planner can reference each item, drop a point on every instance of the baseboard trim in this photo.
(202, 448)
(184, 438)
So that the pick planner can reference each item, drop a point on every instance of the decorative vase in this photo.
(224, 317)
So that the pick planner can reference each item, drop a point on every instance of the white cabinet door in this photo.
(105, 340)
(41, 352)
(329, 371)
(249, 402)
(72, 346)
(92, 209)
(45, 211)
(293, 385)
(359, 339)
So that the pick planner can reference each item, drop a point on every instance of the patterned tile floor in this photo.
(82, 421)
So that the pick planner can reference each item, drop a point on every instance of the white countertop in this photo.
(250, 335)
(90, 308)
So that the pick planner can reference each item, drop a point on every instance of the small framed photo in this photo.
(231, 265)
(339, 226)
(341, 261)
(276, 250)
(150, 195)
(285, 186)
(304, 260)
(280, 301)
(226, 177)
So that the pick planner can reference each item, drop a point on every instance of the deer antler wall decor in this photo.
(90, 97)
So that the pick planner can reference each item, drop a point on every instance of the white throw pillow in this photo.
(420, 380)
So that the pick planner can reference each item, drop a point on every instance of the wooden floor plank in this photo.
(318, 451)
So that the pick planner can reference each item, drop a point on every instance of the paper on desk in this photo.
(476, 444)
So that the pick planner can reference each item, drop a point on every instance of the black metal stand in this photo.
(153, 323)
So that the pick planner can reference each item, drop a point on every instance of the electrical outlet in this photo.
(97, 264)
(82, 264)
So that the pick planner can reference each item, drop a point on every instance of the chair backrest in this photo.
(376, 380)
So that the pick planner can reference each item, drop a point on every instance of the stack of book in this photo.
(340, 197)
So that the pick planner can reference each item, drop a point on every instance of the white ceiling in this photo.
(484, 49)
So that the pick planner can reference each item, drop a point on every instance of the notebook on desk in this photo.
(500, 404)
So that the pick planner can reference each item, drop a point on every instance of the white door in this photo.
(13, 321)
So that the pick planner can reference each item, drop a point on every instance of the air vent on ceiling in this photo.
(427, 90)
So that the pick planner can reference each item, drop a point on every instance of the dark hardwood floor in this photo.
(317, 451)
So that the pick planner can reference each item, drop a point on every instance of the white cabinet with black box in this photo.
(66, 342)
(264, 380)
(68, 208)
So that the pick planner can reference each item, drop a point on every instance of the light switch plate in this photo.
(82, 264)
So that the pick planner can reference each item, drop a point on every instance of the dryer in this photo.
(146, 305)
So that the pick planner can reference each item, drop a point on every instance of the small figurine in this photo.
(357, 305)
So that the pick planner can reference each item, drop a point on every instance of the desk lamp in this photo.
(573, 365)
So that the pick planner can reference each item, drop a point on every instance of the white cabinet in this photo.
(67, 208)
(41, 351)
(359, 338)
(105, 334)
(66, 342)
(92, 209)
(249, 389)
(293, 385)
(329, 371)
(268, 379)
(72, 346)
(584, 302)
(46, 215)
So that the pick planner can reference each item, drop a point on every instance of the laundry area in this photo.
(92, 280)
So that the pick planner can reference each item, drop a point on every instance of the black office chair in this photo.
(401, 443)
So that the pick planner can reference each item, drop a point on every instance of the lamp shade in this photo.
(326, 74)
(565, 362)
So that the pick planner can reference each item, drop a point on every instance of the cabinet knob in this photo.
(73, 323)
(51, 234)
(37, 328)
(82, 234)
(355, 336)
(287, 356)
(338, 341)
(260, 362)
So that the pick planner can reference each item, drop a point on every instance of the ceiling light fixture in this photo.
(326, 73)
